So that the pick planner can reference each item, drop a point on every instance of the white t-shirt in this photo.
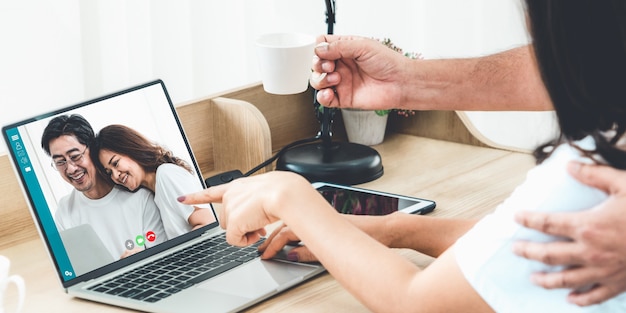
(117, 217)
(485, 255)
(173, 181)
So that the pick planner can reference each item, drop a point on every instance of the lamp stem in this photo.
(326, 115)
(330, 15)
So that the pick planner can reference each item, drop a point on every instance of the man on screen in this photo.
(125, 222)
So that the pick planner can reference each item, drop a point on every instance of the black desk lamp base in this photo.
(338, 162)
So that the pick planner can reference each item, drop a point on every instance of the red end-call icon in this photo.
(151, 236)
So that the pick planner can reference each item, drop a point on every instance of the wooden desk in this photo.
(464, 180)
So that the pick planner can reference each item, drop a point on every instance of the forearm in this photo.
(428, 235)
(200, 217)
(507, 81)
(378, 277)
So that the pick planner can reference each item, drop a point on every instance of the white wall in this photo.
(61, 52)
(40, 57)
(56, 53)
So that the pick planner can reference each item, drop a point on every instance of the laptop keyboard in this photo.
(173, 273)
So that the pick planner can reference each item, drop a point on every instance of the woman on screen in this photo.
(133, 161)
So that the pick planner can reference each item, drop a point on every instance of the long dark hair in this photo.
(127, 141)
(580, 46)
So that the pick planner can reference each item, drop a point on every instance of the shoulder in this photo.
(550, 187)
(556, 164)
(169, 172)
(173, 178)
(171, 169)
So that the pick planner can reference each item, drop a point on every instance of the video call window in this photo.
(146, 110)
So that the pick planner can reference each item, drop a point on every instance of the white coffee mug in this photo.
(285, 62)
(6, 280)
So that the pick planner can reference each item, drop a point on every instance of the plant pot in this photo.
(364, 127)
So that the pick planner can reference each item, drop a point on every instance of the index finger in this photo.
(210, 195)
(557, 224)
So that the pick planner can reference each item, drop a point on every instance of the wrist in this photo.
(390, 235)
(435, 84)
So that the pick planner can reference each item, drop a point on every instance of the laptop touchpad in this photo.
(257, 278)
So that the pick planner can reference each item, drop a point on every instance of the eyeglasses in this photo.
(75, 159)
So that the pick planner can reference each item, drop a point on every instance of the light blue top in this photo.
(485, 253)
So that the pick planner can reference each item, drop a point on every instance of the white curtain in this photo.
(56, 53)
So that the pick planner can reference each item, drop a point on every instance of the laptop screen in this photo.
(109, 208)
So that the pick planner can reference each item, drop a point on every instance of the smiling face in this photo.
(74, 168)
(122, 169)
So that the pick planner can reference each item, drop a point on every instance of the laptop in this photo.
(194, 271)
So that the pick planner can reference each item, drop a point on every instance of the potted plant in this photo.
(368, 127)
